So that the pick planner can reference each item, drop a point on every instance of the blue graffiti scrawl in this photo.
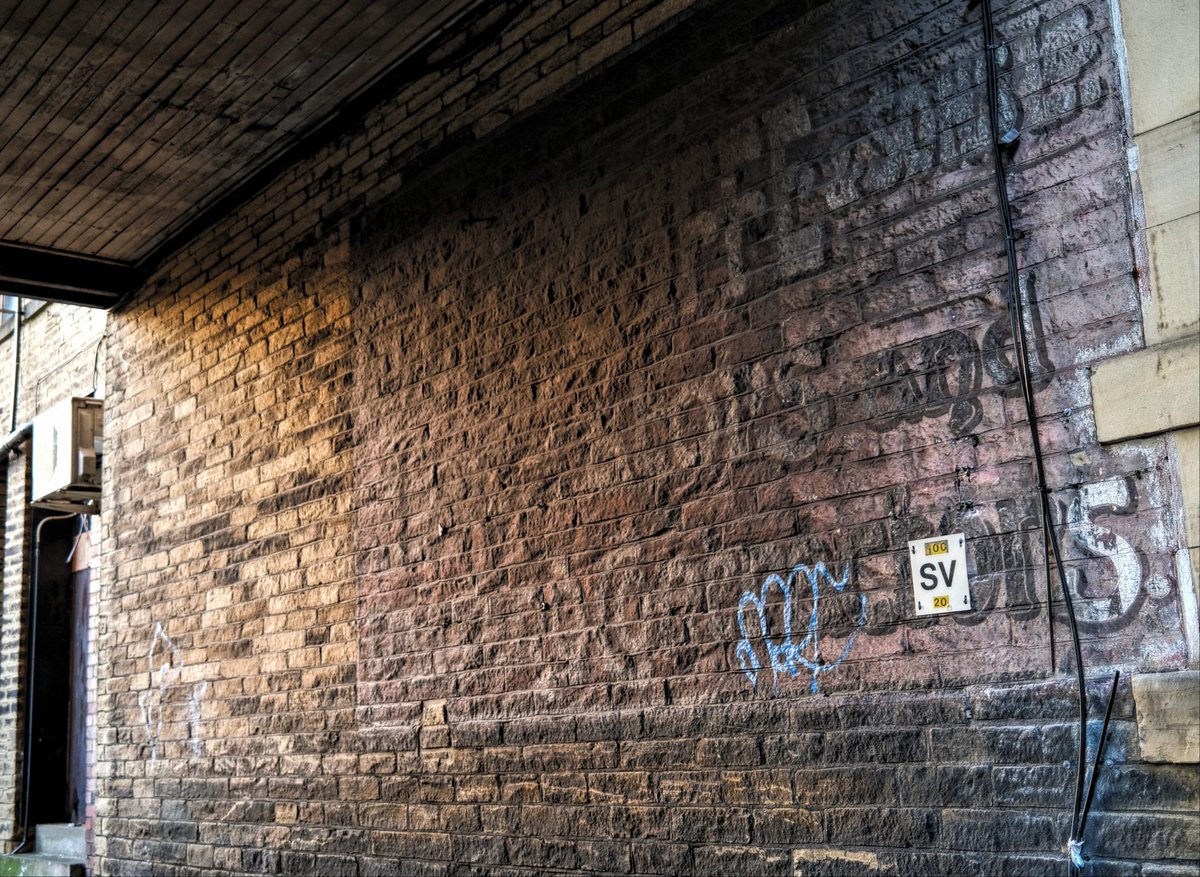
(784, 655)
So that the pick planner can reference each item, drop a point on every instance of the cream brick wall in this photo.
(1162, 54)
(1157, 390)
(1168, 731)
(61, 355)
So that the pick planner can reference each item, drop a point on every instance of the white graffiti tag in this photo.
(784, 655)
(163, 663)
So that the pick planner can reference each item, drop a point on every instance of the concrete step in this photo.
(58, 851)
(61, 839)
(40, 865)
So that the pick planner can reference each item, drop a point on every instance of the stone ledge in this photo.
(1168, 158)
(1173, 309)
(1160, 36)
(1167, 708)
(1148, 391)
(1187, 452)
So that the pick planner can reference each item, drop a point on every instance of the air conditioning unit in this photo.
(67, 449)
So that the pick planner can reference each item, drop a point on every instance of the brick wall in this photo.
(523, 484)
(13, 611)
(61, 356)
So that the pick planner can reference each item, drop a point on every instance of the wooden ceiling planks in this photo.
(32, 87)
(122, 121)
(17, 70)
(112, 104)
(168, 128)
(208, 144)
(322, 78)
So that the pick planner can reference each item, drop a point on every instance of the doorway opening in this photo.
(57, 708)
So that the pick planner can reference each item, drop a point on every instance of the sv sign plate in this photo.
(939, 574)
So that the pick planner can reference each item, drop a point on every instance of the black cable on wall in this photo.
(1016, 311)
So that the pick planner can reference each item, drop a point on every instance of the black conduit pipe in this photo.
(1091, 793)
(16, 384)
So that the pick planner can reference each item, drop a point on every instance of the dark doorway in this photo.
(59, 701)
(81, 581)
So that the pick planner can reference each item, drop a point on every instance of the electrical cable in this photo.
(1016, 311)
(79, 531)
(30, 679)
(1087, 807)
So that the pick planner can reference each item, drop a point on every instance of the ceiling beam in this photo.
(53, 275)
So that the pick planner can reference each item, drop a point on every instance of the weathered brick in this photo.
(787, 827)
(652, 857)
(947, 785)
(709, 825)
(742, 860)
(480, 849)
(1041, 785)
(1159, 836)
(608, 856)
(880, 827)
(893, 745)
(728, 752)
(994, 830)
(841, 863)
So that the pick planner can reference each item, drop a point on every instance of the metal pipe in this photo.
(16, 438)
(16, 386)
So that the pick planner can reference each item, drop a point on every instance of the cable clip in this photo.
(1012, 135)
(1075, 852)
